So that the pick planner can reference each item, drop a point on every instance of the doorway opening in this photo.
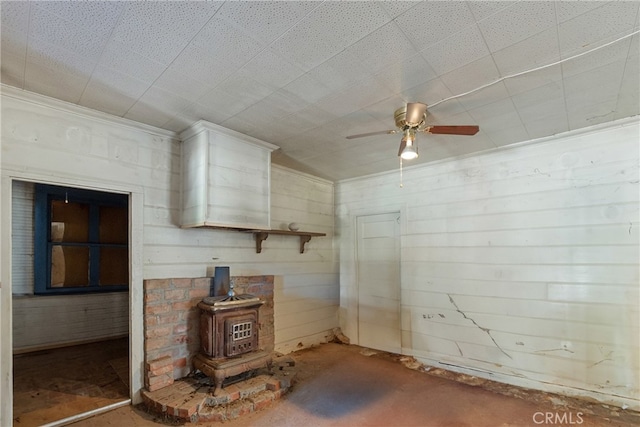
(70, 301)
(378, 281)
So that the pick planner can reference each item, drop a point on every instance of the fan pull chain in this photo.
(401, 172)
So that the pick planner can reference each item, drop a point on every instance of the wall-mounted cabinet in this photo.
(225, 178)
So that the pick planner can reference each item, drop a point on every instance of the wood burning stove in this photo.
(229, 337)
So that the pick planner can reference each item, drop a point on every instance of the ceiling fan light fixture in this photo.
(409, 152)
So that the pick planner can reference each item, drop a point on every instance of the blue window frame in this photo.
(81, 241)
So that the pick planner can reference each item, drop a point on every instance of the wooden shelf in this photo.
(305, 236)
(261, 235)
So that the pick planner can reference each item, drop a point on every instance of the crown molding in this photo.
(85, 112)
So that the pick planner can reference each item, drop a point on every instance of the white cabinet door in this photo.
(225, 179)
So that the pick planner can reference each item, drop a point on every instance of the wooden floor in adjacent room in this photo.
(51, 385)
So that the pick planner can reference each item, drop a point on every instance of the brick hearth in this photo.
(191, 399)
(171, 321)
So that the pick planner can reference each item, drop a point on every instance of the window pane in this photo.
(69, 222)
(114, 266)
(69, 266)
(113, 225)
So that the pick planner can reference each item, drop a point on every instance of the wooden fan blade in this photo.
(452, 130)
(382, 132)
(403, 144)
(415, 113)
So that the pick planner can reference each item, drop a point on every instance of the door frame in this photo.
(136, 313)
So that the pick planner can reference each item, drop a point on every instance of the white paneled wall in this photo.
(49, 141)
(519, 264)
(56, 144)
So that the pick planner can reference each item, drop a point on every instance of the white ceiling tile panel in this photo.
(411, 72)
(161, 33)
(594, 86)
(12, 69)
(339, 72)
(482, 9)
(166, 101)
(566, 10)
(581, 115)
(596, 27)
(121, 83)
(14, 26)
(146, 113)
(429, 22)
(117, 91)
(266, 20)
(247, 90)
(538, 50)
(51, 29)
(458, 145)
(509, 135)
(634, 47)
(516, 23)
(533, 79)
(441, 112)
(157, 105)
(308, 88)
(488, 95)
(385, 46)
(226, 43)
(287, 101)
(54, 83)
(175, 81)
(545, 126)
(59, 59)
(179, 123)
(329, 29)
(495, 115)
(453, 52)
(120, 58)
(198, 64)
(471, 76)
(356, 97)
(222, 101)
(272, 69)
(14, 30)
(396, 8)
(354, 123)
(429, 92)
(198, 111)
(383, 110)
(540, 95)
(242, 124)
(461, 118)
(629, 95)
(615, 53)
(263, 113)
(308, 118)
(97, 16)
(551, 109)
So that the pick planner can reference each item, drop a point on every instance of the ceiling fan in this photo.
(410, 120)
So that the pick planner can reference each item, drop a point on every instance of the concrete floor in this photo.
(339, 385)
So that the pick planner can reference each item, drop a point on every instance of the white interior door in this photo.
(378, 264)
